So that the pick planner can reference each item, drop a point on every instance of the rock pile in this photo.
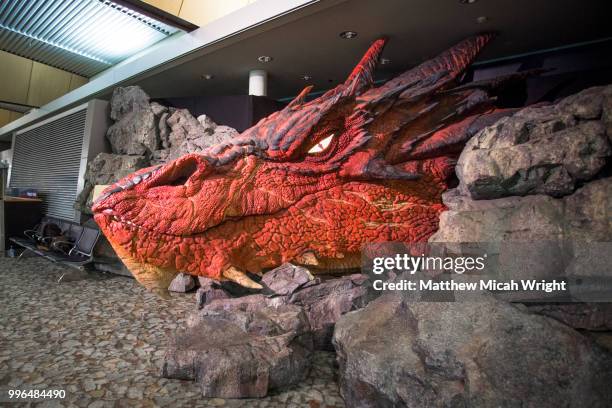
(239, 353)
(541, 175)
(568, 206)
(106, 168)
(146, 133)
(246, 346)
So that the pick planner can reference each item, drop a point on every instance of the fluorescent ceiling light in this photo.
(99, 31)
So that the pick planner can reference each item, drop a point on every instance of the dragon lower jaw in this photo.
(153, 278)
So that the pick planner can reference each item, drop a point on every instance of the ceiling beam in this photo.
(157, 14)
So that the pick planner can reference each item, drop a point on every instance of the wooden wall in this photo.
(29, 82)
(199, 12)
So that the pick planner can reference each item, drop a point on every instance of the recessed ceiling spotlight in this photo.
(264, 58)
(385, 61)
(207, 77)
(467, 1)
(306, 77)
(482, 19)
(347, 35)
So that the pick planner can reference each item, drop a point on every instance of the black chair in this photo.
(36, 234)
(76, 247)
(78, 252)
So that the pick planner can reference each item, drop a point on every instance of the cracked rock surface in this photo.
(451, 354)
(547, 149)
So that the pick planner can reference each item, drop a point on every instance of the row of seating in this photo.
(75, 246)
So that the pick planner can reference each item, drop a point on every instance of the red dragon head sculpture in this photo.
(310, 184)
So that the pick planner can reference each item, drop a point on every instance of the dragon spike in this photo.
(237, 276)
(362, 76)
(432, 75)
(299, 100)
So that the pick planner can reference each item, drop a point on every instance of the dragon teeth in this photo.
(124, 221)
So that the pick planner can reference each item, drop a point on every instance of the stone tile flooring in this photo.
(102, 337)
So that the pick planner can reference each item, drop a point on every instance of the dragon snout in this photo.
(170, 175)
(124, 184)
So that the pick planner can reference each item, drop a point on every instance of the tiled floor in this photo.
(101, 338)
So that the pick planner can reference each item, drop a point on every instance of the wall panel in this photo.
(46, 84)
(24, 81)
(15, 74)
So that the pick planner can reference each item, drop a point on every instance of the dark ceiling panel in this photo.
(417, 30)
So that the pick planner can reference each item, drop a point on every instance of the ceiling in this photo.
(417, 30)
(80, 36)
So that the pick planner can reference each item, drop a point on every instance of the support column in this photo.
(258, 82)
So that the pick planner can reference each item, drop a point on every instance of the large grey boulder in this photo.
(183, 126)
(540, 150)
(487, 353)
(127, 100)
(135, 130)
(240, 353)
(539, 237)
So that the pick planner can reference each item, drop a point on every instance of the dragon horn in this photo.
(362, 76)
(299, 100)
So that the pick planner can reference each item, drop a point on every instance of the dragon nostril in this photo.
(179, 174)
(179, 181)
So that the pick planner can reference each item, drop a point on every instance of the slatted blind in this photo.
(47, 158)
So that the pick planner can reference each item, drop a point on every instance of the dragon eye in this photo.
(322, 145)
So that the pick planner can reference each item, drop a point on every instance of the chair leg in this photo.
(22, 253)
